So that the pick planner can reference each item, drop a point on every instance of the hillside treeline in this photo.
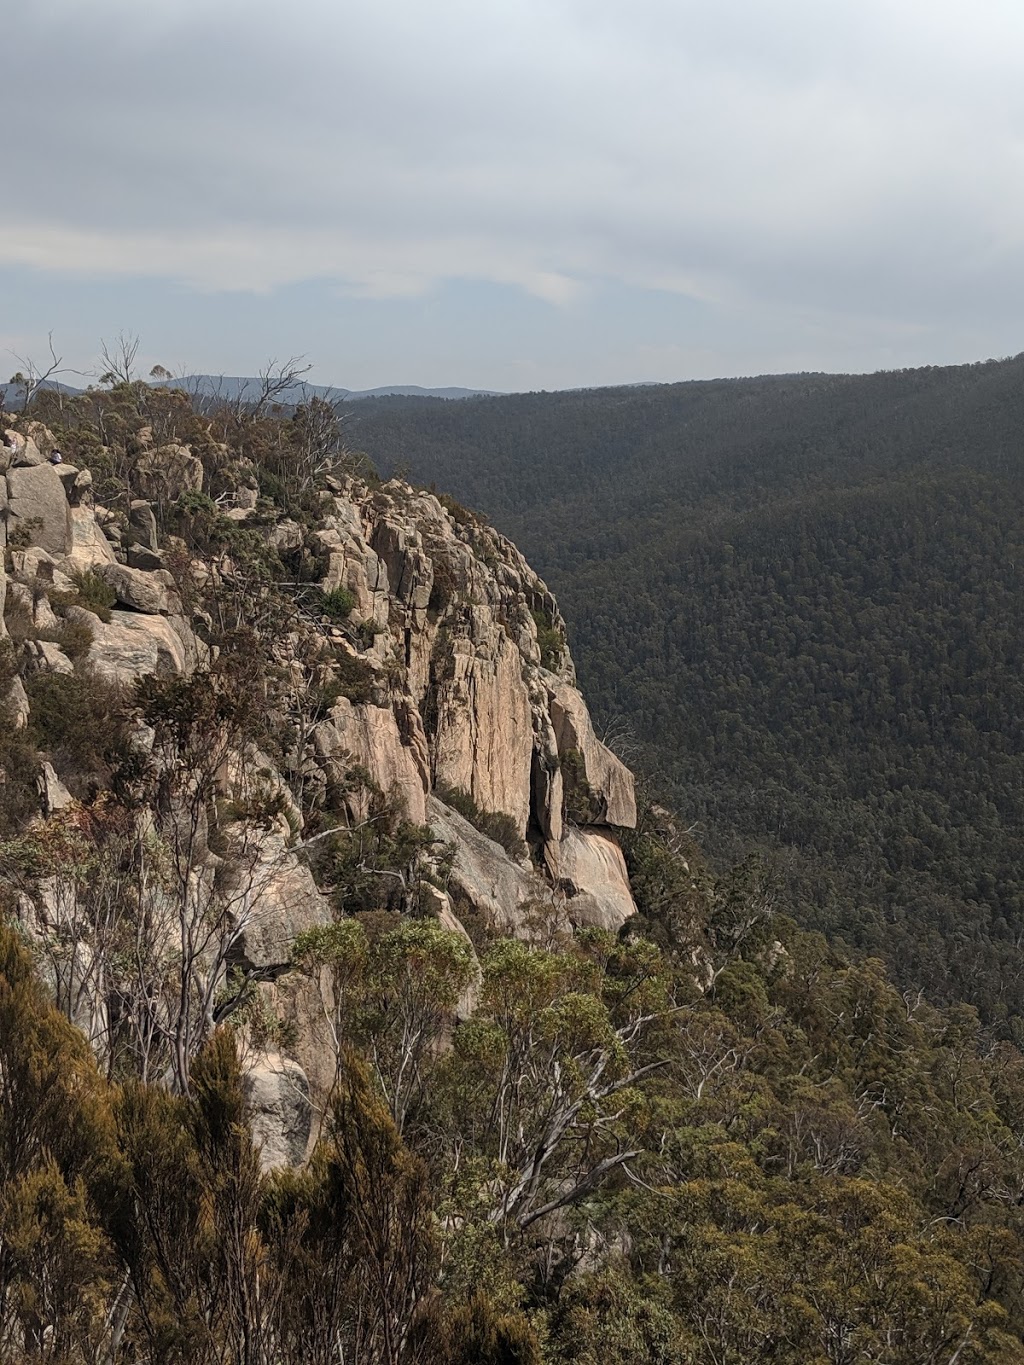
(798, 598)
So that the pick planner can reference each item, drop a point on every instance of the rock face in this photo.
(609, 780)
(132, 645)
(486, 879)
(38, 508)
(371, 738)
(273, 899)
(279, 1109)
(595, 880)
(422, 687)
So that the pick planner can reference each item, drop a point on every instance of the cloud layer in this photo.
(855, 165)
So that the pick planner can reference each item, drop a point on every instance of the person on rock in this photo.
(56, 457)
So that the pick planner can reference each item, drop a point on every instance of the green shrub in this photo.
(337, 604)
(550, 640)
(79, 722)
(579, 803)
(94, 593)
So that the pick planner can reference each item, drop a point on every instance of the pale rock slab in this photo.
(609, 778)
(483, 740)
(16, 702)
(46, 657)
(132, 645)
(52, 791)
(36, 495)
(153, 593)
(594, 878)
(90, 548)
(503, 891)
(388, 742)
(273, 899)
(280, 1112)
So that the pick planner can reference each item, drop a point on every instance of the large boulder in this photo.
(388, 742)
(594, 878)
(153, 593)
(164, 474)
(280, 1113)
(142, 524)
(610, 781)
(38, 508)
(505, 893)
(131, 645)
(90, 548)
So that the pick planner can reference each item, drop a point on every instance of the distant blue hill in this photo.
(232, 387)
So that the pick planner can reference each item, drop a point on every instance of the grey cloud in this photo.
(857, 159)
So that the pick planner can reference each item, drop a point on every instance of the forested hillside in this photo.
(803, 595)
(354, 1010)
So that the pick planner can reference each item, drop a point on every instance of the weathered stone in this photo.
(610, 781)
(390, 747)
(16, 704)
(43, 615)
(36, 564)
(140, 558)
(52, 792)
(483, 741)
(352, 565)
(410, 571)
(280, 1113)
(285, 535)
(504, 892)
(438, 903)
(76, 482)
(593, 876)
(142, 523)
(273, 898)
(153, 593)
(164, 474)
(46, 657)
(39, 509)
(90, 548)
(27, 455)
(132, 645)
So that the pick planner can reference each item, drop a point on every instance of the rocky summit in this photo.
(444, 694)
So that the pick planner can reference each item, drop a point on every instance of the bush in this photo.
(549, 639)
(94, 593)
(79, 722)
(337, 604)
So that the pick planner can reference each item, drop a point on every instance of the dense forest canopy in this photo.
(803, 596)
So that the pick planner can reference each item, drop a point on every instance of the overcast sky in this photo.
(515, 194)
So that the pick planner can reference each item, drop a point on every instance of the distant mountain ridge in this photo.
(233, 387)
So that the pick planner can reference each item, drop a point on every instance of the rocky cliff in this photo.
(412, 668)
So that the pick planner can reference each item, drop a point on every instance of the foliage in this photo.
(550, 640)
